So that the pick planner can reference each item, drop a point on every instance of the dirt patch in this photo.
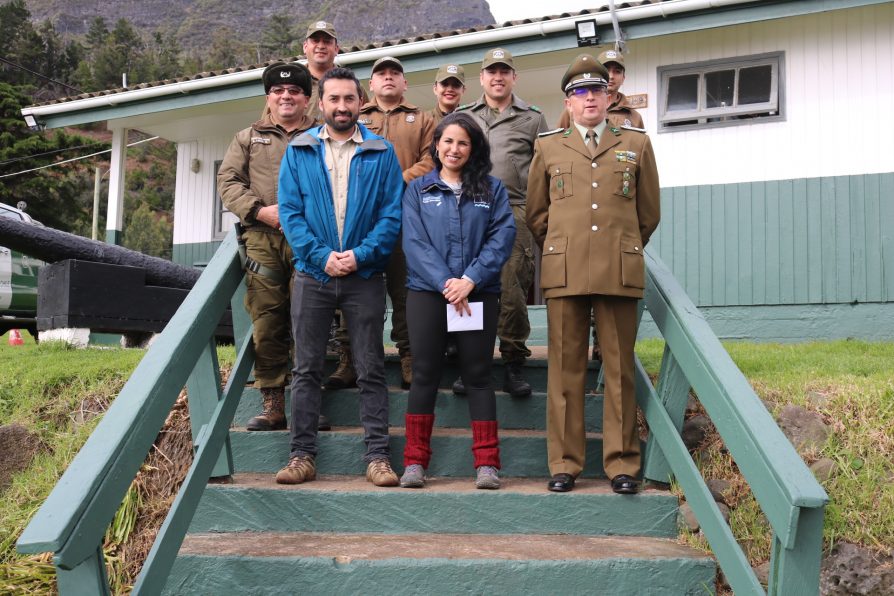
(18, 446)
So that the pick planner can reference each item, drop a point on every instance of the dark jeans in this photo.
(427, 322)
(362, 304)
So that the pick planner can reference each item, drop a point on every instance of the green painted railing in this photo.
(788, 494)
(74, 518)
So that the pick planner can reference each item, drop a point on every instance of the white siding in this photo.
(838, 77)
(194, 194)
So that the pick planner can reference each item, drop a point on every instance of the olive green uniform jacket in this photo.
(592, 217)
(511, 135)
(409, 129)
(249, 172)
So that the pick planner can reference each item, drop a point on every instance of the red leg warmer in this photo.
(418, 447)
(485, 443)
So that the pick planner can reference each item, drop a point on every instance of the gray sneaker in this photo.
(414, 477)
(488, 478)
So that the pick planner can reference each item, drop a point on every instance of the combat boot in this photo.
(274, 415)
(514, 383)
(344, 376)
(406, 371)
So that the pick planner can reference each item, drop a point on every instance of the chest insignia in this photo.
(411, 118)
(626, 156)
(365, 121)
(260, 140)
(431, 199)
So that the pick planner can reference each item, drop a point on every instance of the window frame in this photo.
(219, 210)
(727, 115)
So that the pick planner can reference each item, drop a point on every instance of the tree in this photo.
(278, 37)
(122, 53)
(148, 233)
(54, 195)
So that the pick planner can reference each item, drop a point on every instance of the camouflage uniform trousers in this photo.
(267, 302)
(513, 327)
(396, 285)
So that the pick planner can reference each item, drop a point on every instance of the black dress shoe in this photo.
(624, 484)
(323, 423)
(561, 483)
(459, 388)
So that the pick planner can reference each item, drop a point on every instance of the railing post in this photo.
(796, 571)
(88, 578)
(241, 320)
(204, 391)
(673, 391)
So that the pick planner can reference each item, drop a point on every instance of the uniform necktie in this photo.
(591, 145)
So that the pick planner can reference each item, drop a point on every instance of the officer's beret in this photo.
(451, 71)
(323, 26)
(584, 71)
(609, 56)
(281, 73)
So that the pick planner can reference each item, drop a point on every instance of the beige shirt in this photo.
(598, 129)
(338, 157)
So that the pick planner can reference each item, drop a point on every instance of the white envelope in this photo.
(467, 322)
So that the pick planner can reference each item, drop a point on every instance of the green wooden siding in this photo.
(194, 254)
(779, 242)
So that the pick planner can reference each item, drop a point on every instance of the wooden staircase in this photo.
(340, 534)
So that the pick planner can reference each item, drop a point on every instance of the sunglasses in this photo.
(287, 90)
(584, 91)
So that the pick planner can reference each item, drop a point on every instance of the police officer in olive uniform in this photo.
(449, 87)
(511, 126)
(247, 182)
(593, 203)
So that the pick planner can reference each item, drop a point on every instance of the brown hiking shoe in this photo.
(379, 472)
(406, 371)
(344, 376)
(299, 469)
(274, 415)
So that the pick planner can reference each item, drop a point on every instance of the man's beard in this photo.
(341, 126)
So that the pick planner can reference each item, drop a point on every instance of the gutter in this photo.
(494, 36)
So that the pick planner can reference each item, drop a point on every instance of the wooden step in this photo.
(442, 563)
(343, 503)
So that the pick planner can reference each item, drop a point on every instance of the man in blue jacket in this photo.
(340, 190)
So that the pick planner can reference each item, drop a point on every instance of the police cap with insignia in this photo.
(584, 71)
(609, 56)
(497, 56)
(321, 26)
(281, 73)
(387, 61)
(451, 71)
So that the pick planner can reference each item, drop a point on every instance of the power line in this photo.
(59, 163)
(37, 74)
(23, 158)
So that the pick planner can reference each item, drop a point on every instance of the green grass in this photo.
(851, 384)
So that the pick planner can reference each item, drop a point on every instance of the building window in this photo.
(721, 92)
(223, 219)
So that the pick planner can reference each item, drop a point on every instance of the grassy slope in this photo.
(54, 391)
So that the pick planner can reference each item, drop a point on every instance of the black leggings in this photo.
(427, 322)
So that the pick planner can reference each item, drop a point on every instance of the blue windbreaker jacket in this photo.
(444, 239)
(307, 215)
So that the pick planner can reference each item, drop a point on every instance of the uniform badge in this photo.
(320, 25)
(611, 54)
(626, 156)
(365, 121)
(499, 54)
(285, 74)
(260, 140)
(452, 69)
(411, 118)
(627, 122)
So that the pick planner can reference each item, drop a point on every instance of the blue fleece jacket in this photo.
(443, 238)
(373, 212)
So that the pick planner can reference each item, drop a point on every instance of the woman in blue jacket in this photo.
(458, 230)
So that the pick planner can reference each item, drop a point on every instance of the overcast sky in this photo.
(511, 10)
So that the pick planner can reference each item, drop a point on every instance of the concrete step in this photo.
(343, 409)
(351, 504)
(341, 450)
(408, 563)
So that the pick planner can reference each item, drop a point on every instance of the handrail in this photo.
(782, 484)
(73, 519)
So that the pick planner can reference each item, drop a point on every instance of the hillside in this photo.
(193, 22)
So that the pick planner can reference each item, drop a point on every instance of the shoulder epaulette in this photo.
(535, 108)
(550, 132)
(626, 127)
